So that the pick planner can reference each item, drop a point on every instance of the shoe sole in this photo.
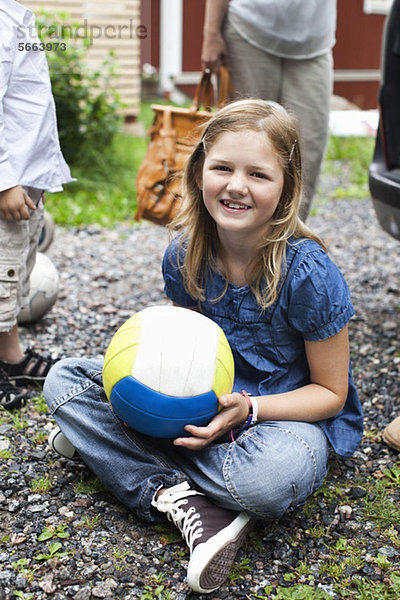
(17, 402)
(390, 441)
(206, 574)
(26, 380)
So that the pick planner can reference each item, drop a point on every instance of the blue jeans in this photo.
(269, 469)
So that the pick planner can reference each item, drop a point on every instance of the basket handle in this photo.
(224, 86)
(204, 90)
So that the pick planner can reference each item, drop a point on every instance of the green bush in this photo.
(86, 103)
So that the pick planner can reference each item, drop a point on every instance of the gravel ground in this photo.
(74, 540)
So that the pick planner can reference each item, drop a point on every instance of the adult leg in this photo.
(253, 71)
(307, 90)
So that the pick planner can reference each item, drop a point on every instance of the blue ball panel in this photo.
(157, 414)
(164, 405)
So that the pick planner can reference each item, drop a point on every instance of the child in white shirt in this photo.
(31, 162)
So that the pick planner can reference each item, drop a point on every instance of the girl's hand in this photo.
(14, 203)
(234, 412)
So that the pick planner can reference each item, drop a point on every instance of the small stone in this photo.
(357, 492)
(47, 584)
(346, 510)
(389, 551)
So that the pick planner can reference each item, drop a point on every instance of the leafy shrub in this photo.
(86, 103)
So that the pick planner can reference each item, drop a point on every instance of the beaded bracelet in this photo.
(253, 413)
(250, 415)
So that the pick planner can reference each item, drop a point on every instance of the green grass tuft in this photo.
(104, 192)
(356, 154)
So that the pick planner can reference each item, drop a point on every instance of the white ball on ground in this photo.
(44, 282)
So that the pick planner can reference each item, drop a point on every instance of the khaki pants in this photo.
(304, 87)
(18, 248)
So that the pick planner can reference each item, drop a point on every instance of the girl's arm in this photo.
(322, 398)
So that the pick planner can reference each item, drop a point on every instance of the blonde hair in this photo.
(197, 230)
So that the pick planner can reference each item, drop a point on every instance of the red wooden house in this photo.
(174, 37)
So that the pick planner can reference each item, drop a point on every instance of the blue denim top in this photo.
(268, 346)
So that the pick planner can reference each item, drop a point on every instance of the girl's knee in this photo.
(58, 372)
(73, 379)
(67, 375)
(271, 497)
(272, 470)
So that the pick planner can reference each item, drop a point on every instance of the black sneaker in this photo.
(32, 369)
(213, 534)
(11, 397)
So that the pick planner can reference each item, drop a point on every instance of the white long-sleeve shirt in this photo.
(30, 153)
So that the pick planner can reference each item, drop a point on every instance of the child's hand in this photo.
(234, 412)
(13, 203)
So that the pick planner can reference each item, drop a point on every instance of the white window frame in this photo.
(378, 7)
(171, 25)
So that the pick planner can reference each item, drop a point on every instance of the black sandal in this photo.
(10, 397)
(30, 370)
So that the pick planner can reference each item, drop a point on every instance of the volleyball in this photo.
(44, 286)
(165, 368)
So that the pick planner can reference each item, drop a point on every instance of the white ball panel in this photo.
(188, 344)
(44, 286)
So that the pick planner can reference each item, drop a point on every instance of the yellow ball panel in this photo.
(224, 367)
(121, 353)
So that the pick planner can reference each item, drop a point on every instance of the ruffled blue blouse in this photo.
(268, 346)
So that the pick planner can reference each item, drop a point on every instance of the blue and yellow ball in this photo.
(165, 368)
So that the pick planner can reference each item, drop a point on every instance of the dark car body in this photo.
(384, 172)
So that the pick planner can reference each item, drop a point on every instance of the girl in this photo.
(243, 258)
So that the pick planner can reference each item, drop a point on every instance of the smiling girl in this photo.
(243, 258)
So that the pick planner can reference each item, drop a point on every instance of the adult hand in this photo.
(234, 411)
(214, 52)
(14, 203)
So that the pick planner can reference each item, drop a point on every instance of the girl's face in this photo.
(242, 182)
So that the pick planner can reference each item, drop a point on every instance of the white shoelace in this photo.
(188, 522)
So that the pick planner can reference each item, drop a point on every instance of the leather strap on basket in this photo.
(168, 136)
(204, 90)
(225, 87)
